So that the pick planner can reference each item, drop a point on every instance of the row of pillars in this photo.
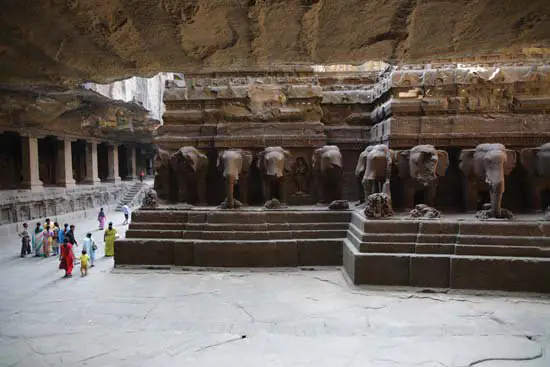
(64, 174)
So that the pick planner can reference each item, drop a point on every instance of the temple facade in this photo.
(451, 106)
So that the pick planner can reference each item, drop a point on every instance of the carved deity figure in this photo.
(301, 176)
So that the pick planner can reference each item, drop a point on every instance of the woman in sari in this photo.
(101, 217)
(109, 238)
(67, 258)
(37, 240)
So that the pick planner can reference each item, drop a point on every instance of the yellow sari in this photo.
(110, 235)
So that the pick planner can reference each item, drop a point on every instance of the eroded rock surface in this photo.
(105, 40)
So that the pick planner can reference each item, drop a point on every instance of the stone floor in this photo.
(271, 317)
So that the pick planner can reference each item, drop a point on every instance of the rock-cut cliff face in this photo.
(105, 40)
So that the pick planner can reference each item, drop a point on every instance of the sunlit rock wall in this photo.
(146, 91)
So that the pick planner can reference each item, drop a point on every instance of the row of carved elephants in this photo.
(484, 169)
(274, 164)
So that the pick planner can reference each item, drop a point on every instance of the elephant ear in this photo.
(528, 158)
(361, 164)
(247, 160)
(203, 161)
(442, 162)
(403, 167)
(219, 162)
(288, 160)
(511, 159)
(466, 164)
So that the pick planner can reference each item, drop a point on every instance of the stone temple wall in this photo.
(61, 205)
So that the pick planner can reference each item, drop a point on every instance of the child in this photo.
(84, 258)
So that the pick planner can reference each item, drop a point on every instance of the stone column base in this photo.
(68, 184)
(115, 180)
(35, 186)
(92, 181)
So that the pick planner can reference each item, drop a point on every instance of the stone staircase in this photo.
(132, 196)
(243, 238)
(495, 255)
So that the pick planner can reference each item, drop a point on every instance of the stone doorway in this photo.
(47, 160)
(103, 161)
(123, 159)
(10, 160)
(78, 150)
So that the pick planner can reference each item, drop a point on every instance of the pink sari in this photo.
(101, 218)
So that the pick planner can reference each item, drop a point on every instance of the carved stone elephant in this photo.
(189, 167)
(537, 163)
(327, 168)
(420, 168)
(373, 169)
(163, 178)
(274, 163)
(485, 168)
(234, 163)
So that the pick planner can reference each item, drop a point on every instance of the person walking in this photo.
(109, 238)
(141, 175)
(37, 239)
(101, 217)
(25, 240)
(61, 237)
(67, 258)
(47, 241)
(55, 239)
(126, 211)
(70, 235)
(90, 247)
(84, 259)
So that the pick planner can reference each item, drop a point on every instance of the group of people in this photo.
(49, 239)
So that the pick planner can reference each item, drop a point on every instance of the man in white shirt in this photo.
(126, 211)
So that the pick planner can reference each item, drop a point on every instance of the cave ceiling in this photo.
(69, 42)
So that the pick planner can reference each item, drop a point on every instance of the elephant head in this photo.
(188, 159)
(162, 159)
(233, 163)
(326, 158)
(423, 163)
(489, 163)
(274, 162)
(536, 160)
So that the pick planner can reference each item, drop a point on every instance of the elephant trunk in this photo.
(229, 188)
(495, 193)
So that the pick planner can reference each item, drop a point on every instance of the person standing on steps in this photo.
(109, 238)
(101, 217)
(25, 240)
(141, 175)
(126, 211)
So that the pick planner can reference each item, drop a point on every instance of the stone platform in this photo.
(454, 252)
(248, 237)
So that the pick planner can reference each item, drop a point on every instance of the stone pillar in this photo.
(92, 177)
(29, 164)
(132, 175)
(65, 164)
(113, 164)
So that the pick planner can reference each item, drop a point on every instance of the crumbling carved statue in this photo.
(234, 163)
(162, 174)
(189, 167)
(150, 200)
(379, 205)
(300, 176)
(485, 168)
(537, 163)
(274, 163)
(373, 169)
(420, 169)
(327, 169)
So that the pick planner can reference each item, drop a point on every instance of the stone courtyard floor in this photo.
(265, 317)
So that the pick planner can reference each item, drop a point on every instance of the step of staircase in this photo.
(244, 238)
(499, 255)
(130, 195)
